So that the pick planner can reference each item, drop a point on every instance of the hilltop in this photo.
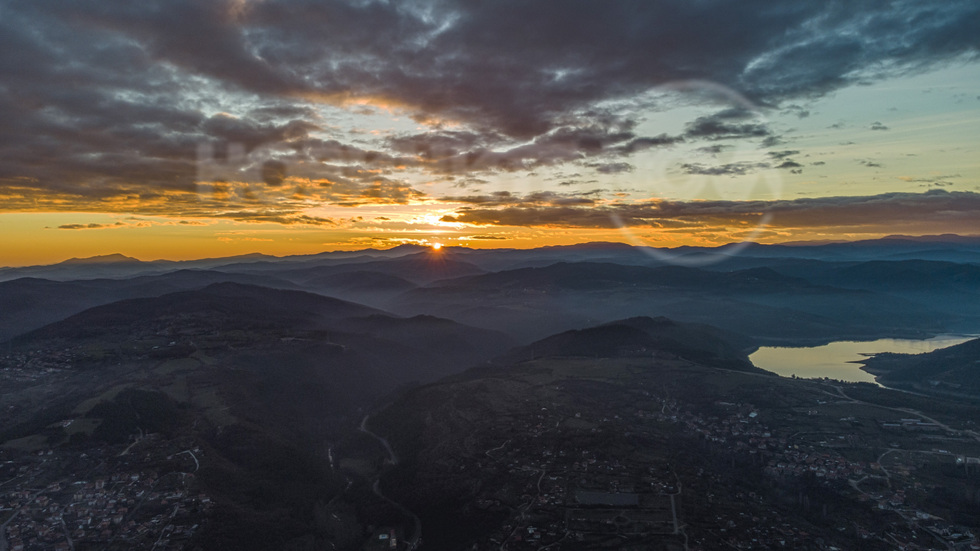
(643, 337)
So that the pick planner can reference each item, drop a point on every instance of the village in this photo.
(61, 499)
(596, 476)
(562, 474)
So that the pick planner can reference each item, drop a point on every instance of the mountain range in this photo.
(775, 293)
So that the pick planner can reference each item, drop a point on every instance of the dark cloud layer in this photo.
(91, 226)
(108, 99)
(954, 209)
(727, 125)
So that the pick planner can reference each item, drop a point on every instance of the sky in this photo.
(202, 128)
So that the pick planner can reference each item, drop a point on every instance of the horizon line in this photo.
(445, 247)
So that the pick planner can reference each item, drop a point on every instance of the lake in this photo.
(834, 360)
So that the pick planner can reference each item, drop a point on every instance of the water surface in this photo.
(835, 360)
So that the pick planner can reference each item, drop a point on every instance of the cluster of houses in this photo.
(139, 509)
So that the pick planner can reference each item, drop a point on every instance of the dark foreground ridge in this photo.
(658, 453)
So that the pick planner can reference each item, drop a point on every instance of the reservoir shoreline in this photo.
(843, 360)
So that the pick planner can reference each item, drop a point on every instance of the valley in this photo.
(455, 399)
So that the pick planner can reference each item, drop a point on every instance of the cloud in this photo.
(932, 179)
(729, 169)
(785, 161)
(934, 209)
(106, 101)
(720, 127)
(944, 180)
(713, 149)
(443, 144)
(797, 110)
(613, 168)
(772, 141)
(779, 155)
(588, 138)
(641, 144)
(278, 217)
(546, 198)
(92, 226)
(878, 126)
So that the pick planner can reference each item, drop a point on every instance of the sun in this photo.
(436, 246)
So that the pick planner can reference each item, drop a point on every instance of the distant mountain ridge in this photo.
(103, 259)
(889, 245)
(780, 294)
(536, 302)
(583, 275)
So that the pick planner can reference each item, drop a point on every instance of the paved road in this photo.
(525, 507)
(393, 460)
(384, 441)
(678, 528)
(500, 447)
(64, 527)
(917, 413)
(197, 464)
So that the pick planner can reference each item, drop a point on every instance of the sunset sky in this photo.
(195, 128)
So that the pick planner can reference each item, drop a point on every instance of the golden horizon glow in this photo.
(863, 163)
(38, 238)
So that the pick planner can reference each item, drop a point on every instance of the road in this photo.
(523, 511)
(678, 528)
(197, 465)
(498, 448)
(888, 475)
(917, 413)
(393, 460)
(64, 527)
(165, 531)
(135, 441)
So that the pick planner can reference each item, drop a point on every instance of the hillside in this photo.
(29, 303)
(951, 370)
(262, 383)
(642, 337)
(223, 306)
(531, 303)
(653, 453)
